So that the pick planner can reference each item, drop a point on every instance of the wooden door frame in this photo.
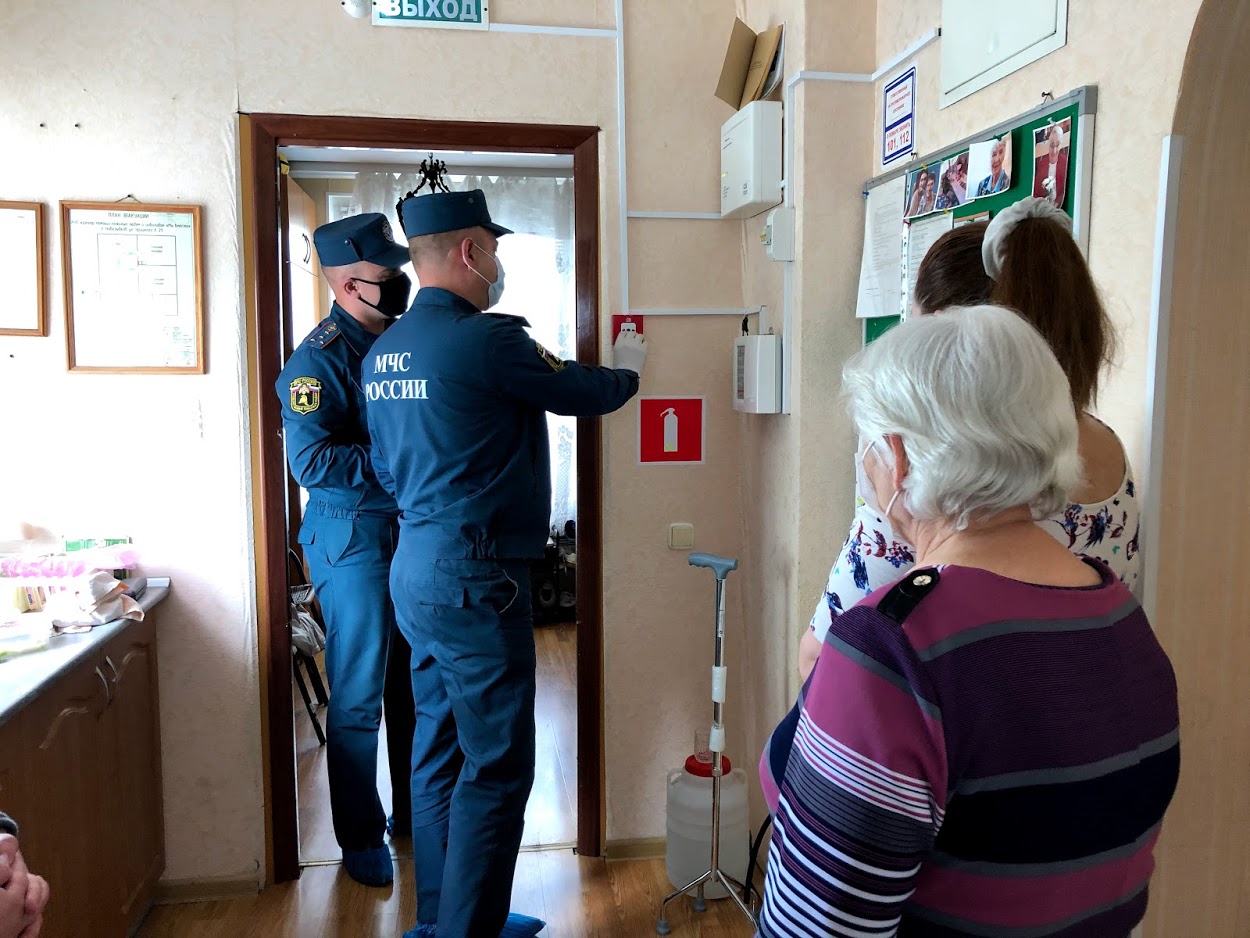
(260, 135)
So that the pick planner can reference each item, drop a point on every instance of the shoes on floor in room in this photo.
(521, 926)
(370, 867)
(399, 828)
(517, 926)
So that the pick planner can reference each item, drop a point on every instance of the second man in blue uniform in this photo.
(457, 401)
(349, 534)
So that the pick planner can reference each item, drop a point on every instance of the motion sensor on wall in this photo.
(358, 8)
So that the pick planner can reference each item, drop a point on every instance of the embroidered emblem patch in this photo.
(305, 395)
(556, 363)
(386, 230)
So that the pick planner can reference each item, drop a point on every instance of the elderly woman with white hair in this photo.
(988, 746)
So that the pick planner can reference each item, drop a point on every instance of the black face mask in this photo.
(392, 297)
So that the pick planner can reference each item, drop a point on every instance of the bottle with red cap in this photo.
(688, 845)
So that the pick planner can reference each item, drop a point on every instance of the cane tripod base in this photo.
(700, 903)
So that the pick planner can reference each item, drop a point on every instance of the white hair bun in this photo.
(993, 249)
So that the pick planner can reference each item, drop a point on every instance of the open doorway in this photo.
(299, 172)
(535, 192)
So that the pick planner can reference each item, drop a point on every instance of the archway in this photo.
(1200, 550)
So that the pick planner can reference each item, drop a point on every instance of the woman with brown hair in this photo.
(1026, 260)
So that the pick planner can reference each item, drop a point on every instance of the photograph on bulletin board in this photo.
(1051, 145)
(922, 186)
(953, 187)
(989, 164)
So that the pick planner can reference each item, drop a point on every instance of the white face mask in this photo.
(494, 290)
(863, 485)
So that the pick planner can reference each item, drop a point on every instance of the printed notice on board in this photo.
(898, 117)
(921, 235)
(880, 275)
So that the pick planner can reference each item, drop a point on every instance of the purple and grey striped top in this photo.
(973, 756)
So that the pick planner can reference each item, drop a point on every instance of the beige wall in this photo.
(159, 122)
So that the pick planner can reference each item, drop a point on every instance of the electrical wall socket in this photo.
(681, 536)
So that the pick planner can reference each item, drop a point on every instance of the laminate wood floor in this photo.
(550, 815)
(577, 897)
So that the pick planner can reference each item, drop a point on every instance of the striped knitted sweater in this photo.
(973, 756)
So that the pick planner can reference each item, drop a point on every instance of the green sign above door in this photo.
(439, 14)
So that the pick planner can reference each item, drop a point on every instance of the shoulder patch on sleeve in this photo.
(905, 595)
(556, 363)
(305, 394)
(323, 336)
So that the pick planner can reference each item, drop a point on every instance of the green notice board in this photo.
(1076, 108)
(878, 326)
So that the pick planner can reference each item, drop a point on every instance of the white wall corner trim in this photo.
(1157, 364)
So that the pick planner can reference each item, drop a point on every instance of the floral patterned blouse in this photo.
(872, 557)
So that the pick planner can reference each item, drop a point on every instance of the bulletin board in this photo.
(1079, 108)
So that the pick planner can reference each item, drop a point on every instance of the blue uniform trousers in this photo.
(367, 660)
(471, 628)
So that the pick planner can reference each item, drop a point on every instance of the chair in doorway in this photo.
(308, 639)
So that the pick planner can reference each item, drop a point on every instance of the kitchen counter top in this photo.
(23, 677)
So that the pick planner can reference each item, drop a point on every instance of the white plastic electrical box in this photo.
(778, 234)
(757, 374)
(750, 160)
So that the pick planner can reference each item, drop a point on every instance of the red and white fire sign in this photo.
(670, 430)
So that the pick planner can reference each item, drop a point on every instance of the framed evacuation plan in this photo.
(134, 294)
(25, 309)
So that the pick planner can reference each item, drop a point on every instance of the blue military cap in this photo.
(364, 237)
(447, 211)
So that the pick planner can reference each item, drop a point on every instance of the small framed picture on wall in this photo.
(25, 307)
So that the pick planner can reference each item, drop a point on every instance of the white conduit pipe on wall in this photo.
(787, 305)
(623, 190)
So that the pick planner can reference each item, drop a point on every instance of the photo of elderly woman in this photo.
(990, 164)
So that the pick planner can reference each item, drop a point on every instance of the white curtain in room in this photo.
(538, 261)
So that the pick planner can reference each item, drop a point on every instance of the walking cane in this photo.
(721, 566)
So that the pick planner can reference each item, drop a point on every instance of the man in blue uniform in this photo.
(349, 533)
(457, 401)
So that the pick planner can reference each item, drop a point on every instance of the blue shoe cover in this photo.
(521, 926)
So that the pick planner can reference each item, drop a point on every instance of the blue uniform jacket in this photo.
(457, 403)
(323, 418)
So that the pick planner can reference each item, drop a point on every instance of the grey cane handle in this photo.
(718, 565)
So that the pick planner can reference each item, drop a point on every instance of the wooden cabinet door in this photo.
(302, 221)
(132, 729)
(63, 837)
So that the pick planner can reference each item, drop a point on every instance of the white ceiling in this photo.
(339, 162)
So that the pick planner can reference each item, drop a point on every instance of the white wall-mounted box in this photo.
(778, 234)
(985, 40)
(757, 374)
(750, 160)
